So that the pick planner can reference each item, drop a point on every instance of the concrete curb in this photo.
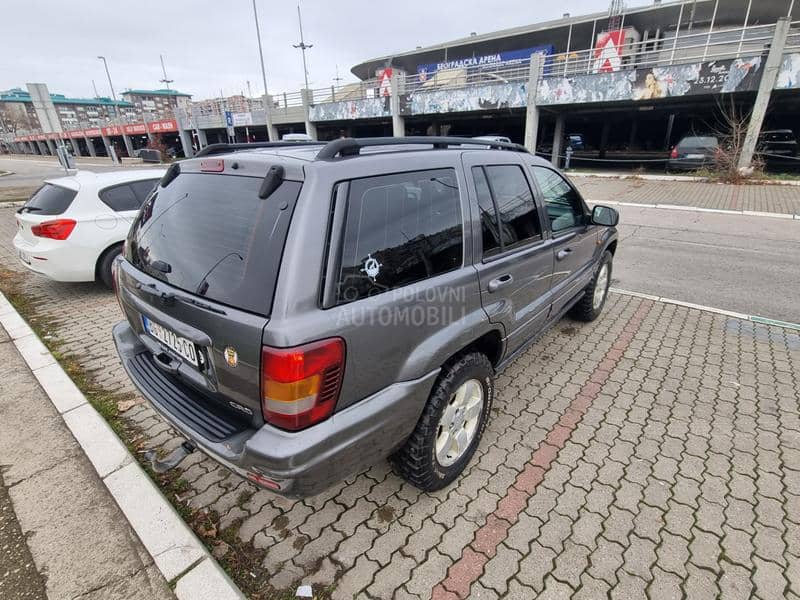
(711, 309)
(720, 211)
(685, 178)
(180, 556)
(644, 177)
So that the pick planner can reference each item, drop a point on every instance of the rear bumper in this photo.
(301, 463)
(686, 164)
(55, 259)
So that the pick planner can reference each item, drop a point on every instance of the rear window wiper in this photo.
(30, 209)
(199, 304)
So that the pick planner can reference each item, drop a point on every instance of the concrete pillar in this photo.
(42, 148)
(532, 112)
(768, 77)
(186, 142)
(107, 144)
(51, 147)
(308, 99)
(90, 147)
(398, 122)
(76, 148)
(668, 137)
(272, 131)
(202, 139)
(31, 148)
(604, 135)
(558, 140)
(634, 130)
(128, 145)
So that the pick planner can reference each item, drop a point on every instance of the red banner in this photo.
(113, 130)
(163, 126)
(138, 128)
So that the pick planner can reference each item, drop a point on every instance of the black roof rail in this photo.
(353, 146)
(212, 149)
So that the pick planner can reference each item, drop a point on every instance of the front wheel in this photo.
(451, 425)
(591, 305)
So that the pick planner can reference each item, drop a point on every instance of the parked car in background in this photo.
(693, 152)
(575, 141)
(296, 137)
(777, 143)
(349, 301)
(72, 228)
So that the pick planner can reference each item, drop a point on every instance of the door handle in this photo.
(562, 254)
(497, 283)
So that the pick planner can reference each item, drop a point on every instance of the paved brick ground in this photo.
(655, 452)
(761, 198)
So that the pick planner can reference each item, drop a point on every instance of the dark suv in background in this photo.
(301, 311)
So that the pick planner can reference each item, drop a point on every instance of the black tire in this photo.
(416, 460)
(585, 309)
(104, 265)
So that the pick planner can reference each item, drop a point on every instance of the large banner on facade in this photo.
(652, 83)
(424, 72)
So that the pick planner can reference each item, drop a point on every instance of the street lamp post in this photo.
(271, 133)
(303, 46)
(111, 85)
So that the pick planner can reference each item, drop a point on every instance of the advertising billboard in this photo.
(485, 61)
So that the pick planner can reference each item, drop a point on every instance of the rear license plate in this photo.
(24, 257)
(180, 345)
(695, 156)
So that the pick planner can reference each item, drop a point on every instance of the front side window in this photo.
(508, 214)
(399, 229)
(564, 205)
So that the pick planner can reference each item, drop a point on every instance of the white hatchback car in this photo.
(72, 228)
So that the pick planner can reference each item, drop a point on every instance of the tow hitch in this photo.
(171, 461)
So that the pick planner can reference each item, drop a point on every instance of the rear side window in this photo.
(50, 200)
(128, 196)
(508, 214)
(399, 229)
(211, 235)
(699, 142)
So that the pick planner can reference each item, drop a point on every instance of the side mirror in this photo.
(605, 216)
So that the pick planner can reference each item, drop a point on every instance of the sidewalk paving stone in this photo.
(651, 453)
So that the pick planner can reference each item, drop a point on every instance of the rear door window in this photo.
(142, 189)
(399, 229)
(211, 235)
(50, 200)
(120, 198)
(509, 218)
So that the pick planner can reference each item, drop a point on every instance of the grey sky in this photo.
(210, 45)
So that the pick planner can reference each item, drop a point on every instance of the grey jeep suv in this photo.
(301, 311)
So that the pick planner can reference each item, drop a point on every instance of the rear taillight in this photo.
(55, 230)
(300, 385)
(674, 153)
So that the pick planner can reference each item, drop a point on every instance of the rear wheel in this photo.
(591, 305)
(451, 425)
(105, 263)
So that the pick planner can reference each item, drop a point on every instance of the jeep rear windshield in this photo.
(212, 236)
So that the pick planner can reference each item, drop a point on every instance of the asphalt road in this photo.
(29, 172)
(739, 263)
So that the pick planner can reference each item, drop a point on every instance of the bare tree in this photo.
(731, 130)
